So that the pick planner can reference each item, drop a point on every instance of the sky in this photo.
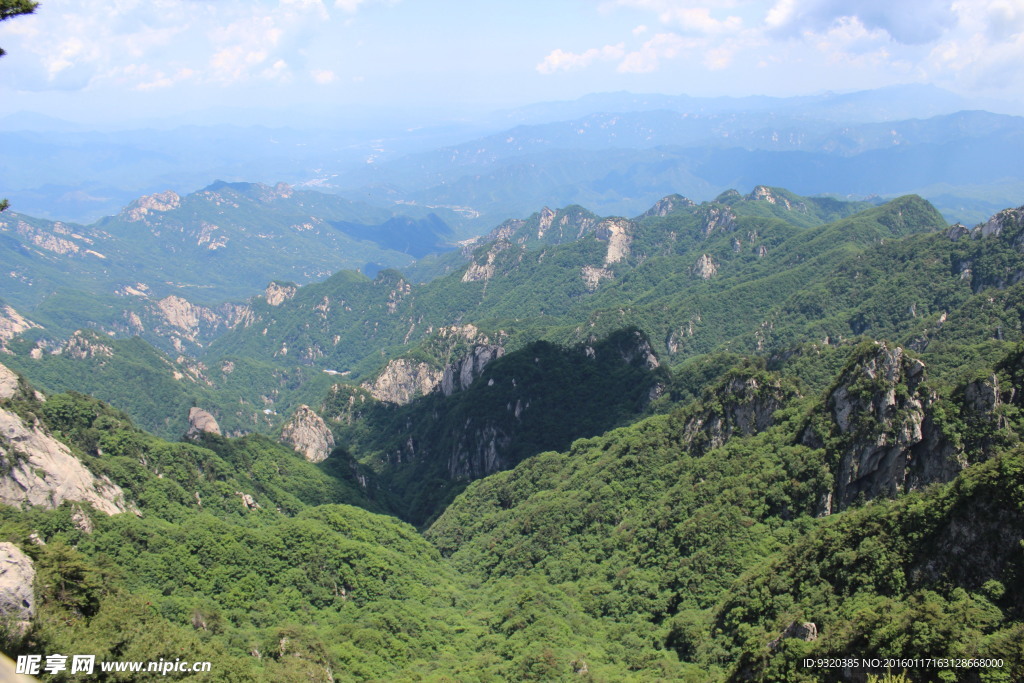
(126, 60)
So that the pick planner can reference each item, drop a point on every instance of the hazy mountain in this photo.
(493, 166)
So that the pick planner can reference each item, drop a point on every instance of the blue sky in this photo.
(119, 60)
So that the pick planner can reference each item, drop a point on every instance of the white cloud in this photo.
(560, 60)
(987, 50)
(323, 76)
(662, 46)
(908, 23)
(169, 41)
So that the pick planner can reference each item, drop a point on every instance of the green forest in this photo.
(710, 445)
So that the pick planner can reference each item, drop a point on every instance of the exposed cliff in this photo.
(308, 434)
(39, 470)
(279, 292)
(402, 380)
(880, 429)
(13, 324)
(9, 384)
(17, 592)
(743, 404)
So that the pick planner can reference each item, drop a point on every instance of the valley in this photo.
(703, 443)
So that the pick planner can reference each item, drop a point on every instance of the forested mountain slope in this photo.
(689, 546)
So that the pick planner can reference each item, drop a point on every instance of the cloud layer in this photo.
(964, 44)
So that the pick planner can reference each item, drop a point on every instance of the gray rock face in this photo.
(747, 406)
(667, 205)
(39, 470)
(717, 219)
(8, 383)
(403, 380)
(479, 453)
(887, 442)
(308, 434)
(17, 574)
(279, 292)
(461, 373)
(200, 421)
(705, 268)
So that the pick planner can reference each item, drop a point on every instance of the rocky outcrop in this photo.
(8, 383)
(17, 592)
(201, 422)
(482, 271)
(308, 434)
(592, 276)
(182, 321)
(13, 324)
(743, 405)
(461, 373)
(806, 631)
(762, 193)
(154, 203)
(479, 452)
(874, 424)
(403, 380)
(618, 233)
(667, 205)
(279, 292)
(39, 470)
(84, 344)
(716, 218)
(547, 217)
(956, 231)
(994, 226)
(705, 268)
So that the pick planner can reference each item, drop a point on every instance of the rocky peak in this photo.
(667, 205)
(84, 344)
(13, 324)
(201, 422)
(956, 231)
(1007, 219)
(143, 206)
(872, 423)
(762, 193)
(308, 434)
(283, 191)
(547, 216)
(279, 292)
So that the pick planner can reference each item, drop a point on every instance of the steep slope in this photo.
(481, 418)
(700, 532)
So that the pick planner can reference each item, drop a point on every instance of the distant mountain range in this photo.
(616, 153)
